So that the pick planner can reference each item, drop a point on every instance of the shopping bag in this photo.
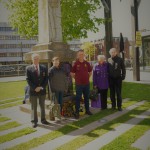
(54, 107)
(96, 103)
(93, 94)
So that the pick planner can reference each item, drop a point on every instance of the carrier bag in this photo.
(96, 103)
(54, 107)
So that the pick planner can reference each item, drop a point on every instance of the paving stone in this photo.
(143, 142)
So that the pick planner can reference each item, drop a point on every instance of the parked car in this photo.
(6, 68)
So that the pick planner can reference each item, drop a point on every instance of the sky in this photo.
(121, 16)
(121, 19)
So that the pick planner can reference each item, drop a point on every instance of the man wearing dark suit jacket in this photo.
(37, 79)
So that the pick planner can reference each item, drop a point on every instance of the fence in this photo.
(13, 70)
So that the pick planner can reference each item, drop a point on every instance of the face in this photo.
(80, 56)
(56, 63)
(113, 53)
(36, 60)
(101, 60)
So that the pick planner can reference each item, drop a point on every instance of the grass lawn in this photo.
(16, 134)
(10, 105)
(10, 100)
(3, 119)
(136, 91)
(9, 125)
(12, 89)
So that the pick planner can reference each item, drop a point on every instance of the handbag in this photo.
(54, 107)
(93, 94)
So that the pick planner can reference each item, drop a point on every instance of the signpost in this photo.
(138, 39)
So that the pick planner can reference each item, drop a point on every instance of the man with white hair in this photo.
(117, 72)
(37, 78)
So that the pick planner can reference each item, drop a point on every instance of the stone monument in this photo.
(50, 42)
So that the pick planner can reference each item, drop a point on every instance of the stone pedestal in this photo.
(50, 50)
(50, 42)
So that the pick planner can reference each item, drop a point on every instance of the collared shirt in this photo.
(81, 70)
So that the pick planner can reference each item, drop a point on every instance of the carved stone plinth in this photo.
(50, 50)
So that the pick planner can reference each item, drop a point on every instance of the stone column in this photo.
(49, 21)
(50, 34)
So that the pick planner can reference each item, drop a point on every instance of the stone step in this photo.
(27, 109)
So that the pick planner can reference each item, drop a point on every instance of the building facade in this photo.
(13, 46)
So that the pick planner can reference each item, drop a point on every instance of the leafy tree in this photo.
(89, 49)
(76, 17)
(24, 16)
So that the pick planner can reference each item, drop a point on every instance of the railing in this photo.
(13, 70)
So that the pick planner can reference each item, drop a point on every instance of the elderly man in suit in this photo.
(37, 78)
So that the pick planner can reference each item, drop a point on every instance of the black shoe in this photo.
(34, 125)
(88, 113)
(45, 122)
(76, 115)
(119, 109)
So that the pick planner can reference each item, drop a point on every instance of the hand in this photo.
(123, 77)
(95, 87)
(37, 89)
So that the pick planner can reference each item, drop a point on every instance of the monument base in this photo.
(49, 50)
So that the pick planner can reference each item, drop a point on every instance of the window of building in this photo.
(3, 54)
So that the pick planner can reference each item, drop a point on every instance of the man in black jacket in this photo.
(117, 72)
(37, 78)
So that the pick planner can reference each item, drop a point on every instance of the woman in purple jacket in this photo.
(100, 79)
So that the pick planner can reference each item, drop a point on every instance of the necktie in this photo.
(36, 70)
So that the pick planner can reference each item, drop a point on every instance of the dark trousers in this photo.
(34, 99)
(85, 90)
(59, 96)
(115, 88)
(103, 93)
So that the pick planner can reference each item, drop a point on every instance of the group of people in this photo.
(106, 74)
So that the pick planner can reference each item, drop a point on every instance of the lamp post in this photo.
(108, 25)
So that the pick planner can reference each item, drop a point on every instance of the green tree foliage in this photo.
(89, 49)
(77, 17)
(24, 16)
